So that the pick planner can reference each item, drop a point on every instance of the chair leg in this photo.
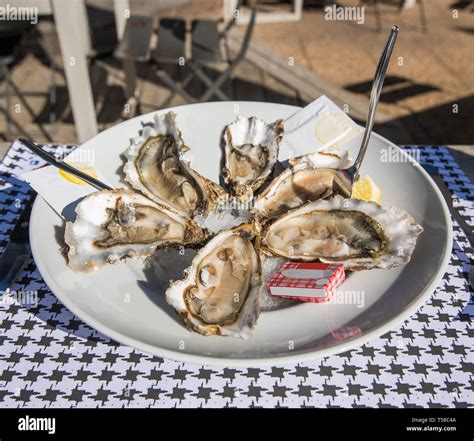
(424, 23)
(173, 92)
(378, 15)
(133, 94)
(27, 106)
(167, 101)
(213, 86)
(174, 87)
(13, 122)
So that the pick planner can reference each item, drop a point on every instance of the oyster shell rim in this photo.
(193, 233)
(245, 192)
(337, 160)
(413, 230)
(177, 288)
(165, 125)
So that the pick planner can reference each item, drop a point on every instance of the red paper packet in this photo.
(307, 282)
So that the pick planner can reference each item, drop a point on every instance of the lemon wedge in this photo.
(87, 169)
(366, 190)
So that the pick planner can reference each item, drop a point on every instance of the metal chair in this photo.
(133, 48)
(169, 57)
(169, 61)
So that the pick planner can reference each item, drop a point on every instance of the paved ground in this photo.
(429, 88)
(429, 91)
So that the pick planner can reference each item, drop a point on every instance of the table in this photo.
(49, 357)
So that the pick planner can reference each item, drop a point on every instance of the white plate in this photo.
(122, 302)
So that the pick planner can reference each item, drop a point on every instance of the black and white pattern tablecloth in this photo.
(49, 357)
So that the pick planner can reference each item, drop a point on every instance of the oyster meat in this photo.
(115, 224)
(219, 294)
(155, 166)
(360, 234)
(309, 178)
(250, 153)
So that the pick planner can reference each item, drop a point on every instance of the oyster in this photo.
(309, 178)
(114, 224)
(250, 152)
(155, 166)
(219, 294)
(360, 234)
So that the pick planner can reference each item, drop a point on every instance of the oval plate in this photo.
(124, 302)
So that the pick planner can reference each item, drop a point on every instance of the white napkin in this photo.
(321, 125)
(61, 190)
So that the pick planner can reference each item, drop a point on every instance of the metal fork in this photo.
(344, 179)
(43, 154)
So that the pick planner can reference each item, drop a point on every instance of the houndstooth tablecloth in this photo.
(49, 357)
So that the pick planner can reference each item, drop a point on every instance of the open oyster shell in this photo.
(309, 178)
(251, 151)
(155, 166)
(114, 224)
(360, 234)
(219, 294)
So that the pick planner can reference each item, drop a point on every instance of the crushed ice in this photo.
(223, 219)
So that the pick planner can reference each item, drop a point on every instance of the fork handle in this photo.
(375, 95)
(43, 154)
